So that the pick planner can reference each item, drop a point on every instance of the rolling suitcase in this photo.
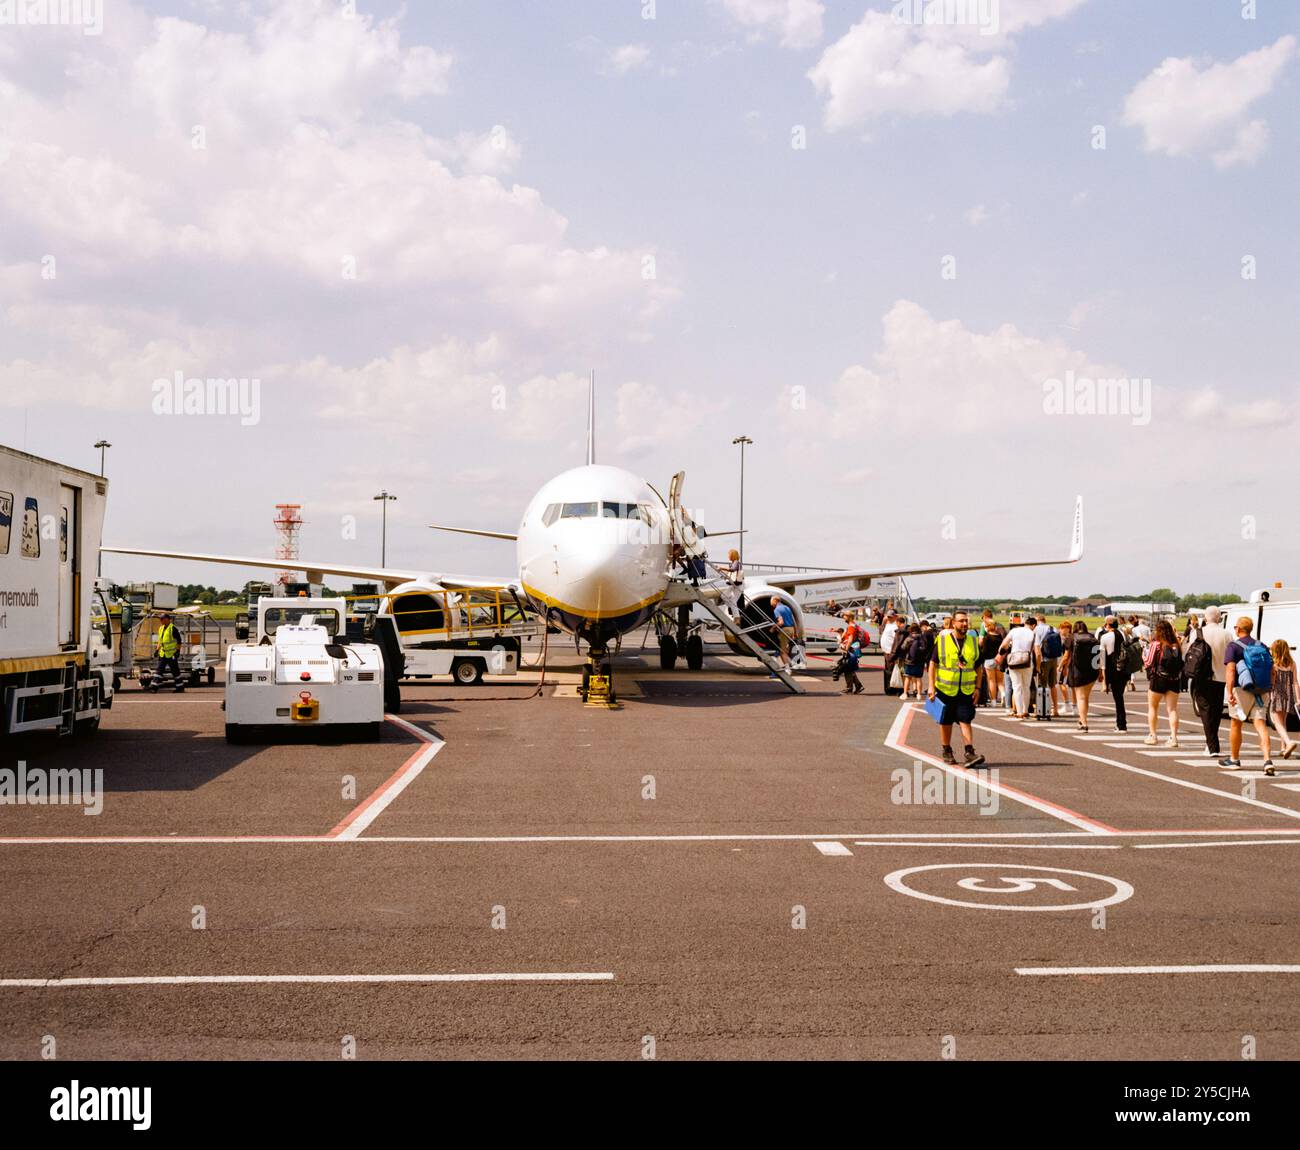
(1043, 712)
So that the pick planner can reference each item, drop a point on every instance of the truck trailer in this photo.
(57, 638)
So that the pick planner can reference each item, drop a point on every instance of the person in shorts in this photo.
(954, 672)
(1244, 706)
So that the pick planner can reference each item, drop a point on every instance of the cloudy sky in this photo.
(884, 250)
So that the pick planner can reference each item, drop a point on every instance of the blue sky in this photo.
(500, 173)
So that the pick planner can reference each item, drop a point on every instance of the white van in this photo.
(1274, 611)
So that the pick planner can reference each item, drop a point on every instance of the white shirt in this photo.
(1040, 633)
(887, 636)
(1021, 639)
(1217, 637)
(1143, 632)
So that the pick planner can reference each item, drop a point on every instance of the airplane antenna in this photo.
(591, 420)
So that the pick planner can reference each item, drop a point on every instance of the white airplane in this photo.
(595, 556)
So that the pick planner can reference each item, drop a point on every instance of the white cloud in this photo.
(798, 23)
(890, 64)
(1188, 107)
(627, 58)
(977, 215)
(1208, 405)
(309, 170)
(647, 418)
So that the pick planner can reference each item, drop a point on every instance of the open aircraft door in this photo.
(682, 527)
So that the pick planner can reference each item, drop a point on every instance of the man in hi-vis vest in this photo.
(169, 648)
(954, 675)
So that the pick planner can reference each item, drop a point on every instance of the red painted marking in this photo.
(903, 743)
(357, 812)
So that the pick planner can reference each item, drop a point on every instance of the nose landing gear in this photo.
(598, 680)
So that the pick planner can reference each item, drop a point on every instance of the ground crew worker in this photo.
(954, 672)
(169, 648)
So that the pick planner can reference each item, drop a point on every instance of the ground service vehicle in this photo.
(57, 640)
(302, 671)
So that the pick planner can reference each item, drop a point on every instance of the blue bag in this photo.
(1255, 668)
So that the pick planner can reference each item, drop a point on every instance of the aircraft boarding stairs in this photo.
(710, 595)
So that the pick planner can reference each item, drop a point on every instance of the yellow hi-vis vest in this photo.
(168, 643)
(950, 676)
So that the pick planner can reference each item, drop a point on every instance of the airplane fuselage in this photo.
(593, 550)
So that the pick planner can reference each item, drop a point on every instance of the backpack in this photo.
(1255, 669)
(915, 652)
(1128, 661)
(1052, 645)
(1171, 663)
(1196, 663)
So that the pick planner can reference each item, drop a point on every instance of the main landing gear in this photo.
(684, 642)
(598, 680)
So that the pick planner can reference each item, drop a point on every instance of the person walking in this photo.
(1164, 667)
(953, 674)
(169, 648)
(990, 688)
(1246, 702)
(1084, 668)
(916, 657)
(1066, 631)
(1048, 650)
(1114, 674)
(1018, 647)
(1284, 696)
(784, 629)
(1207, 692)
(851, 644)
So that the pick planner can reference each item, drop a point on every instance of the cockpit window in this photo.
(551, 514)
(605, 509)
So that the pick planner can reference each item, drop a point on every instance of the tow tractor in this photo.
(303, 672)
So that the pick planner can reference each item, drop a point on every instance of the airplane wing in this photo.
(474, 531)
(862, 578)
(315, 572)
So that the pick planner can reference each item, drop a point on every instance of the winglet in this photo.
(591, 420)
(1076, 536)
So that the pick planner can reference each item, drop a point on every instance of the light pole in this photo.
(103, 445)
(384, 499)
(742, 440)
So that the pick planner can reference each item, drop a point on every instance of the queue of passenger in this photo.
(1031, 669)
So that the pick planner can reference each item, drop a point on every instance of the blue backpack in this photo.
(1255, 668)
(1052, 645)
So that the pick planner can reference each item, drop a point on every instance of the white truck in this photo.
(1274, 611)
(302, 671)
(56, 634)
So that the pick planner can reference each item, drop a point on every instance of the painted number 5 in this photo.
(1013, 885)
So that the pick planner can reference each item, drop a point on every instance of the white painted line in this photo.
(1000, 846)
(1288, 786)
(832, 848)
(378, 803)
(1170, 754)
(1233, 843)
(245, 979)
(892, 741)
(1289, 812)
(1205, 762)
(1208, 968)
